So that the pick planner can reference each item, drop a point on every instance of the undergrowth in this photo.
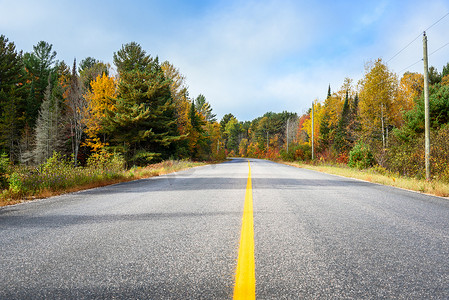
(378, 174)
(58, 175)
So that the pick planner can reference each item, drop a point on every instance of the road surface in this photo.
(316, 236)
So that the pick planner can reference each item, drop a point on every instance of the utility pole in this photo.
(383, 127)
(287, 134)
(426, 107)
(267, 141)
(313, 129)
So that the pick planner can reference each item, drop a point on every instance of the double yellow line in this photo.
(245, 279)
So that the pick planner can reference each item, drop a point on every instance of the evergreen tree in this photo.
(324, 127)
(226, 118)
(39, 64)
(341, 143)
(89, 69)
(354, 123)
(48, 131)
(12, 104)
(445, 71)
(131, 58)
(142, 123)
(204, 108)
(434, 76)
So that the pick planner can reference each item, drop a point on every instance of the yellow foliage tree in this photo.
(216, 146)
(333, 106)
(410, 87)
(179, 95)
(317, 118)
(378, 104)
(104, 89)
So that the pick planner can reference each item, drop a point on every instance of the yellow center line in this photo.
(245, 278)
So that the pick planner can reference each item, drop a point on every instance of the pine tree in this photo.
(142, 123)
(39, 64)
(89, 69)
(12, 94)
(131, 58)
(204, 108)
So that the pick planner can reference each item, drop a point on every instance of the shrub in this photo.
(343, 158)
(361, 156)
(106, 163)
(4, 170)
(298, 152)
(15, 183)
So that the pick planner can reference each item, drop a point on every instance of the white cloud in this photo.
(228, 54)
(246, 57)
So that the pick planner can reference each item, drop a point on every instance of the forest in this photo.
(84, 115)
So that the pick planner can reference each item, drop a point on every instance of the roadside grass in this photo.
(28, 183)
(381, 176)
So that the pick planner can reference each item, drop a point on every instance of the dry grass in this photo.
(7, 197)
(433, 187)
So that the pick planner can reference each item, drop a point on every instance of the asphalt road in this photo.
(316, 236)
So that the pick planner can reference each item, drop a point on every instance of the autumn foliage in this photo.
(141, 111)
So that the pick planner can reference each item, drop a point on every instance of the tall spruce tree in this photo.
(341, 143)
(324, 130)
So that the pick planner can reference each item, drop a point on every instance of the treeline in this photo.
(380, 120)
(143, 112)
(376, 122)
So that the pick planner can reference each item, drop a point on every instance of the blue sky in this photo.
(246, 57)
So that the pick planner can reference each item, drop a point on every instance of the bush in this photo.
(106, 163)
(59, 174)
(4, 170)
(361, 156)
(299, 152)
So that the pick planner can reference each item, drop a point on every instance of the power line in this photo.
(437, 21)
(404, 48)
(410, 66)
(439, 49)
(422, 59)
(400, 51)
